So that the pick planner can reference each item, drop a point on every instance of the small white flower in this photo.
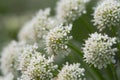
(71, 72)
(98, 50)
(107, 14)
(69, 10)
(40, 68)
(57, 39)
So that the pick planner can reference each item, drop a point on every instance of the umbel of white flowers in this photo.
(30, 30)
(35, 30)
(9, 57)
(9, 76)
(25, 56)
(98, 50)
(39, 68)
(57, 40)
(71, 72)
(107, 14)
(69, 10)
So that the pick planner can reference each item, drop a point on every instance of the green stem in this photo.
(108, 73)
(114, 74)
(75, 49)
(118, 46)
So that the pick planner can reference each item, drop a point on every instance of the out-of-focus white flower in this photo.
(40, 68)
(27, 32)
(9, 57)
(25, 56)
(9, 76)
(98, 50)
(107, 14)
(69, 10)
(71, 72)
(57, 39)
(43, 23)
(35, 30)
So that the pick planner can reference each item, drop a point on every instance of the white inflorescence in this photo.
(57, 39)
(98, 50)
(25, 56)
(27, 33)
(37, 28)
(43, 23)
(69, 10)
(40, 68)
(9, 58)
(71, 72)
(107, 14)
(9, 76)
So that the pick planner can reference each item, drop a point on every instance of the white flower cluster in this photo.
(69, 10)
(107, 14)
(71, 72)
(27, 33)
(36, 29)
(57, 39)
(25, 56)
(98, 50)
(7, 77)
(24, 59)
(43, 23)
(40, 68)
(9, 57)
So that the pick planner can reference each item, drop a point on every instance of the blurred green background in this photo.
(15, 13)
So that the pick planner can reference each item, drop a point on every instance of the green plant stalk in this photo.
(113, 72)
(118, 46)
(108, 72)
